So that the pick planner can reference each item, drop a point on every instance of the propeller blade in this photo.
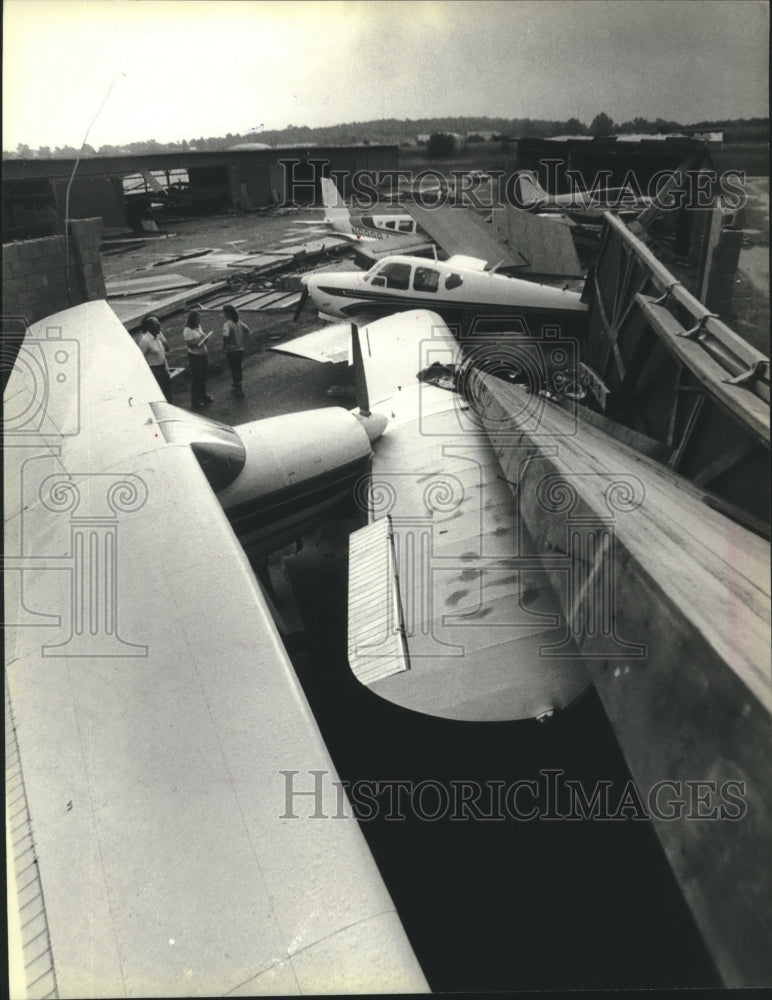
(374, 424)
(301, 302)
(360, 378)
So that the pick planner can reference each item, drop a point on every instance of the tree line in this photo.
(391, 131)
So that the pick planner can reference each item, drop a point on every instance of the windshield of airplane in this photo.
(391, 275)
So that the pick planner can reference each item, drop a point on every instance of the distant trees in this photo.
(440, 144)
(602, 124)
(443, 134)
(575, 127)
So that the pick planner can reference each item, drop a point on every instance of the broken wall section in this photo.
(44, 276)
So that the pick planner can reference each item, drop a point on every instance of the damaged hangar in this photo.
(35, 190)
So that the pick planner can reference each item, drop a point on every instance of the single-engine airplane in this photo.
(159, 748)
(366, 228)
(460, 289)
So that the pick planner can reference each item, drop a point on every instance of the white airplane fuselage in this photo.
(459, 289)
(378, 227)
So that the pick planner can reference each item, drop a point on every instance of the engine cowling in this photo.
(297, 466)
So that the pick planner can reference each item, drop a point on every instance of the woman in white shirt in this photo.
(154, 346)
(195, 341)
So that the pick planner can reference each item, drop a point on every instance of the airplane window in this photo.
(426, 280)
(406, 226)
(367, 222)
(453, 281)
(397, 276)
(391, 225)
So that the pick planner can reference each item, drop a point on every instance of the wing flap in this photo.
(376, 644)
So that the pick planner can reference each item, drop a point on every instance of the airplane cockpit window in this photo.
(397, 276)
(453, 281)
(367, 222)
(390, 225)
(426, 280)
(406, 226)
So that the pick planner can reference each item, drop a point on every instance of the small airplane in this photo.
(460, 289)
(161, 746)
(365, 228)
(582, 206)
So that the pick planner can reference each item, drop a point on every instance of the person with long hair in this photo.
(233, 334)
(154, 346)
(198, 360)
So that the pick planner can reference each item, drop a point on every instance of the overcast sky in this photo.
(205, 68)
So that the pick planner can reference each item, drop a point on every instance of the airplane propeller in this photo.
(301, 303)
(373, 423)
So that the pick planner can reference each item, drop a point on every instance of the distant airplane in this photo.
(460, 289)
(161, 750)
(364, 228)
(578, 205)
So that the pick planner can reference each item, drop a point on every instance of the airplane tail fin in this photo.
(336, 213)
(529, 190)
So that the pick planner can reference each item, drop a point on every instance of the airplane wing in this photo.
(462, 231)
(158, 742)
(330, 345)
(369, 251)
(447, 610)
(549, 249)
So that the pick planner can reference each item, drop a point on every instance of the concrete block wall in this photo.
(35, 279)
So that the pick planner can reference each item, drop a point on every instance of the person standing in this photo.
(233, 334)
(195, 341)
(154, 346)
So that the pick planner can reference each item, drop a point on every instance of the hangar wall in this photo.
(242, 180)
